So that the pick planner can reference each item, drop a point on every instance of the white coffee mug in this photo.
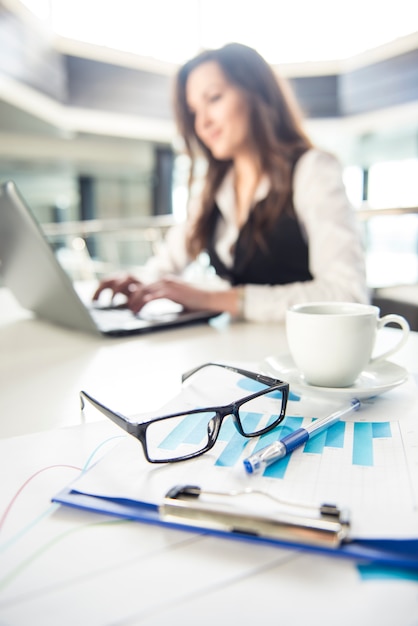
(332, 342)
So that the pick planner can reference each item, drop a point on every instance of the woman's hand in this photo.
(175, 289)
(119, 284)
(189, 296)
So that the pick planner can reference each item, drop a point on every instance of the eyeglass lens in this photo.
(261, 412)
(177, 437)
(188, 434)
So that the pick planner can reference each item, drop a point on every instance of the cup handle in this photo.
(402, 322)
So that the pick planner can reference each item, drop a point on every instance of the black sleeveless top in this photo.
(283, 259)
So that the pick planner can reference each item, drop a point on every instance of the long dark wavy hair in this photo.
(276, 133)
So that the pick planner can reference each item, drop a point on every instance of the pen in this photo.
(257, 462)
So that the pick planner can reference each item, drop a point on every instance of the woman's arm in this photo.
(170, 259)
(191, 296)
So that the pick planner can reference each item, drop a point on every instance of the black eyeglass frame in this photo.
(138, 430)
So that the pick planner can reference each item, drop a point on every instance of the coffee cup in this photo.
(331, 343)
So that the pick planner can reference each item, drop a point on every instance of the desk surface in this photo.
(43, 367)
(60, 566)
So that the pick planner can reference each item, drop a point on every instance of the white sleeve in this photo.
(336, 254)
(170, 256)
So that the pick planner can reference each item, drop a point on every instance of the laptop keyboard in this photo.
(108, 319)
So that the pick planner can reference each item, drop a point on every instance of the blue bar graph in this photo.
(381, 429)
(278, 470)
(364, 433)
(234, 448)
(335, 437)
(192, 429)
(363, 444)
(236, 442)
(232, 451)
(189, 430)
(331, 438)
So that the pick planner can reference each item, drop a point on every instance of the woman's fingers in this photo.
(124, 285)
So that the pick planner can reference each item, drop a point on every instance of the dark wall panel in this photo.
(97, 85)
(387, 83)
(27, 56)
(163, 181)
(317, 95)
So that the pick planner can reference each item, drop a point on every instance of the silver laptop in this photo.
(30, 269)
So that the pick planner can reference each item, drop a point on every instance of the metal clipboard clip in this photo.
(327, 526)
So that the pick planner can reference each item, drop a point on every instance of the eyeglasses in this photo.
(186, 435)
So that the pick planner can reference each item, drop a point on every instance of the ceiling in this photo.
(291, 32)
(47, 125)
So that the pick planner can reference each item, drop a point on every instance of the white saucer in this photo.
(374, 380)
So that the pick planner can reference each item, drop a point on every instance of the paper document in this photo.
(367, 464)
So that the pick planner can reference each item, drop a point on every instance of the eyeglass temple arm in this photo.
(118, 418)
(266, 380)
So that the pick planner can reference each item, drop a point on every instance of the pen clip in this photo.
(182, 505)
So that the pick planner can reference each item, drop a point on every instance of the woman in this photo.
(273, 215)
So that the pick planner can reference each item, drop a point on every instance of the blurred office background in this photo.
(87, 133)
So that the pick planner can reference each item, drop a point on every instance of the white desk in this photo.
(59, 566)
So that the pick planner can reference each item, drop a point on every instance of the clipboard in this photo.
(383, 528)
(328, 533)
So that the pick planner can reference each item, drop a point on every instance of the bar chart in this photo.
(354, 439)
(364, 434)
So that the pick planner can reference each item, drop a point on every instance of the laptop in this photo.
(31, 270)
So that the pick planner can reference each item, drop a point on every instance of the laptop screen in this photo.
(30, 269)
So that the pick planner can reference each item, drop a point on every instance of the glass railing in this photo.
(97, 247)
(391, 244)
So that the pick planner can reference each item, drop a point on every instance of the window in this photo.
(392, 240)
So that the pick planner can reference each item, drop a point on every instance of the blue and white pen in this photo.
(257, 462)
